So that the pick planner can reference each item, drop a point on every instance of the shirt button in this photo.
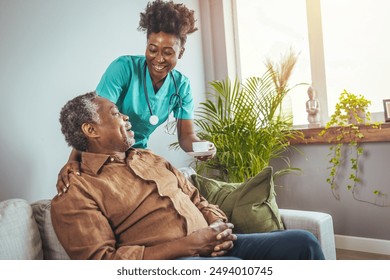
(112, 159)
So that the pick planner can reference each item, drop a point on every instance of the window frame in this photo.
(222, 58)
(221, 47)
(220, 43)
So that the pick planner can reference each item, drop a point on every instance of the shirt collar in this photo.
(94, 162)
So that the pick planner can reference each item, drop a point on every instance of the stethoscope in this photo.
(154, 119)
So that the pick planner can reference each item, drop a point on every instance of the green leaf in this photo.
(240, 119)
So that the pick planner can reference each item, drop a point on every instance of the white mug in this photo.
(203, 146)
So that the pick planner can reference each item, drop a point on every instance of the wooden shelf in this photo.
(310, 135)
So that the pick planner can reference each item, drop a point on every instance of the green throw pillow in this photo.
(250, 206)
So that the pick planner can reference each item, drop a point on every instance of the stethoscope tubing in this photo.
(171, 99)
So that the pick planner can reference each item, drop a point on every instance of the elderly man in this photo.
(132, 204)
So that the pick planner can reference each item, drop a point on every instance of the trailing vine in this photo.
(351, 111)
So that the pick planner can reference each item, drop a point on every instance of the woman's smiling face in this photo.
(162, 52)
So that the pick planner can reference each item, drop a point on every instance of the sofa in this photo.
(26, 231)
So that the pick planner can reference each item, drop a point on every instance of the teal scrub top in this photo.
(123, 84)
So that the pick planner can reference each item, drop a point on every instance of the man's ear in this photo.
(181, 52)
(89, 130)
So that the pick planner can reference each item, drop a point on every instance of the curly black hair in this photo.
(168, 17)
(75, 112)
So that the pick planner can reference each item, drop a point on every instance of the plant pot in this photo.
(360, 119)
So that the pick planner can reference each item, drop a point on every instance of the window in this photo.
(356, 43)
(268, 29)
(346, 49)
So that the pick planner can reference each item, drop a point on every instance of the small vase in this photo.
(360, 120)
(286, 112)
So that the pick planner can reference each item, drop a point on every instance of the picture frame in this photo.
(386, 106)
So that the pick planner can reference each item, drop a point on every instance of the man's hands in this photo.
(215, 240)
(226, 238)
(63, 176)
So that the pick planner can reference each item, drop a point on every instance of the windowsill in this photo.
(310, 135)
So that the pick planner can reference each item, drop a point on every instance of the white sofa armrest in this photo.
(187, 172)
(320, 224)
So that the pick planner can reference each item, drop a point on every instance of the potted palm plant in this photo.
(246, 124)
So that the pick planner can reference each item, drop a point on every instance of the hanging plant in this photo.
(350, 114)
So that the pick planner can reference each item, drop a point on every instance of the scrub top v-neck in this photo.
(123, 84)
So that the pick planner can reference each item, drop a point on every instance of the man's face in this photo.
(162, 52)
(114, 134)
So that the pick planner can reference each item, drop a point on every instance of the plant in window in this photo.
(241, 125)
(243, 120)
(350, 114)
(280, 72)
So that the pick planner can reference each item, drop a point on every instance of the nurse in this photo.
(147, 88)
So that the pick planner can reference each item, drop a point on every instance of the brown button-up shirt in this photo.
(116, 207)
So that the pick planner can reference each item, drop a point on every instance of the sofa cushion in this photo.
(251, 206)
(19, 234)
(52, 248)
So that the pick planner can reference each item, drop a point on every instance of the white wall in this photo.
(51, 51)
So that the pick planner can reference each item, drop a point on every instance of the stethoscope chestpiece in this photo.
(153, 120)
